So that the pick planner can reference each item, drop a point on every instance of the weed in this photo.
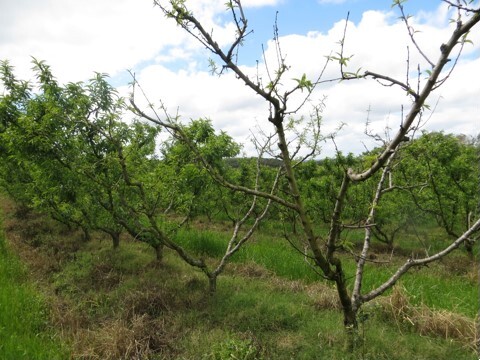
(233, 349)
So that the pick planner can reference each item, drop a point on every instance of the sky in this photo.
(79, 38)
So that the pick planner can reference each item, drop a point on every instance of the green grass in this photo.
(459, 290)
(268, 305)
(260, 318)
(437, 289)
(278, 256)
(203, 243)
(284, 325)
(24, 329)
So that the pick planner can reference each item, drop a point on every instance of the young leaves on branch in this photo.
(304, 83)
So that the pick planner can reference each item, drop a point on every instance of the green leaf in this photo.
(304, 83)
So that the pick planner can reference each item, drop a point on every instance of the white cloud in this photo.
(379, 43)
(458, 108)
(437, 18)
(77, 38)
(225, 100)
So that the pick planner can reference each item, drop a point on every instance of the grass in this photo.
(203, 243)
(24, 328)
(122, 304)
(454, 277)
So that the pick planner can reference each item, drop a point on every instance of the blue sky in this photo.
(110, 36)
(303, 16)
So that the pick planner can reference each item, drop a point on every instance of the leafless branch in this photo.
(391, 81)
(459, 6)
(411, 33)
(357, 287)
(419, 101)
(420, 262)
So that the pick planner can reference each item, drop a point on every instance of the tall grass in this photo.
(203, 243)
(24, 330)
(457, 286)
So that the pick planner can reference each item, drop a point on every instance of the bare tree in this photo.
(323, 251)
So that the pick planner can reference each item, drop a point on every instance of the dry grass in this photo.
(143, 327)
(34, 237)
(249, 270)
(139, 338)
(65, 316)
(456, 265)
(153, 302)
(477, 334)
(136, 333)
(427, 321)
(324, 297)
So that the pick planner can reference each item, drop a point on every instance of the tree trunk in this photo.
(294, 225)
(469, 247)
(86, 234)
(349, 313)
(212, 284)
(159, 252)
(115, 239)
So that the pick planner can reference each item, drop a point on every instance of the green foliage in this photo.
(191, 189)
(304, 83)
(398, 2)
(56, 142)
(434, 179)
(447, 167)
(67, 152)
(84, 166)
(211, 146)
(342, 60)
